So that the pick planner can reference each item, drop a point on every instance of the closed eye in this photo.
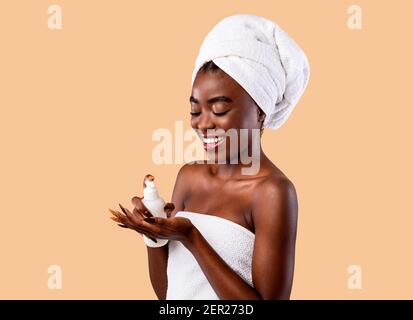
(219, 114)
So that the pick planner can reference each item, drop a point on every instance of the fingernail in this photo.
(123, 209)
(153, 239)
(147, 214)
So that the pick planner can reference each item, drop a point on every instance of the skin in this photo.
(265, 203)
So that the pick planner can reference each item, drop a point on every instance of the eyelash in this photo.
(195, 114)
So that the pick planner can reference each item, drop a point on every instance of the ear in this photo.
(261, 114)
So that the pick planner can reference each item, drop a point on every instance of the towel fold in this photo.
(234, 244)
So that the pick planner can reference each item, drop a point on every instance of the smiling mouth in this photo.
(212, 142)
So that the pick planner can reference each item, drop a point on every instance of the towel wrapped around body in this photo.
(234, 244)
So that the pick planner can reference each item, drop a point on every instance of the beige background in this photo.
(78, 107)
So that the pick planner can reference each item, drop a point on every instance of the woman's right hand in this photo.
(133, 220)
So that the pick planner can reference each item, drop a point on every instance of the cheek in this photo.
(234, 121)
(243, 121)
(250, 120)
(227, 122)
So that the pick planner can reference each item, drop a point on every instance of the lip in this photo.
(211, 136)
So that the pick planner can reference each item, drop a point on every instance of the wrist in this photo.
(192, 238)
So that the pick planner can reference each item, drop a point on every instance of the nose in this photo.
(204, 122)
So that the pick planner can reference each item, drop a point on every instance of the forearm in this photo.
(227, 284)
(157, 262)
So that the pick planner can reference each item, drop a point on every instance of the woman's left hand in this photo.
(176, 228)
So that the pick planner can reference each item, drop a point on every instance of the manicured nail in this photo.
(147, 214)
(123, 209)
(112, 212)
(153, 239)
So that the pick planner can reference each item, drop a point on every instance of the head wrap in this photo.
(262, 58)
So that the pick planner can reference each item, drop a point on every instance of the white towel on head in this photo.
(233, 243)
(263, 59)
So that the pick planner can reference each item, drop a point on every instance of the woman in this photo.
(231, 235)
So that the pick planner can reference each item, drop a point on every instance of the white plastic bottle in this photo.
(155, 205)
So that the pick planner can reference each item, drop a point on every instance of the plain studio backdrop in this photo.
(78, 107)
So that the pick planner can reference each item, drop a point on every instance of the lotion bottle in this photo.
(155, 204)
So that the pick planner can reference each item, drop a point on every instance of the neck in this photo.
(237, 170)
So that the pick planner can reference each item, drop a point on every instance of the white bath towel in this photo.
(233, 242)
(262, 58)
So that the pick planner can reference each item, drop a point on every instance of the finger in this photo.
(124, 220)
(116, 219)
(144, 228)
(137, 212)
(134, 199)
(153, 229)
(169, 208)
(127, 212)
(155, 220)
(115, 213)
(119, 217)
(150, 237)
(137, 202)
(134, 218)
(130, 220)
(145, 213)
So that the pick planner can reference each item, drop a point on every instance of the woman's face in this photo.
(219, 103)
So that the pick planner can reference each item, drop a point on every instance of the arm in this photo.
(158, 257)
(157, 263)
(273, 258)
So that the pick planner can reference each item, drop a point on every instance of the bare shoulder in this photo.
(184, 181)
(189, 169)
(275, 201)
(274, 187)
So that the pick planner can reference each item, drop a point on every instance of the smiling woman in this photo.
(231, 235)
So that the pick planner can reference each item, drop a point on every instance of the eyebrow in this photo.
(212, 100)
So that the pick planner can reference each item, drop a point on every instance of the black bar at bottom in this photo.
(204, 309)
